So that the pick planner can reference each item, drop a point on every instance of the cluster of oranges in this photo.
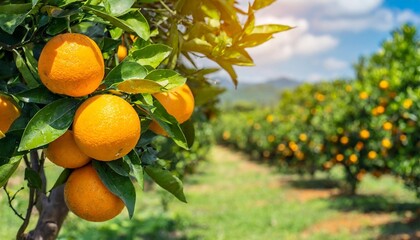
(105, 127)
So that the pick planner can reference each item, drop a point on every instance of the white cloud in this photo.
(333, 64)
(408, 16)
(296, 42)
(342, 15)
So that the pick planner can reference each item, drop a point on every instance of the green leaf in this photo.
(49, 123)
(33, 178)
(133, 158)
(6, 170)
(167, 78)
(258, 4)
(166, 121)
(189, 132)
(121, 186)
(138, 23)
(40, 95)
(139, 86)
(131, 22)
(167, 181)
(118, 7)
(12, 15)
(24, 70)
(270, 28)
(64, 175)
(120, 167)
(125, 71)
(57, 26)
(151, 55)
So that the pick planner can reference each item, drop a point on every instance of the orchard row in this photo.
(369, 125)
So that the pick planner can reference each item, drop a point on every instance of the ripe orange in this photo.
(353, 158)
(106, 127)
(71, 64)
(121, 52)
(88, 198)
(303, 137)
(407, 103)
(344, 140)
(387, 126)
(179, 102)
(386, 143)
(8, 113)
(363, 95)
(372, 155)
(364, 134)
(339, 157)
(383, 84)
(65, 153)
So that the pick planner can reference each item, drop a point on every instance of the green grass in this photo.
(231, 198)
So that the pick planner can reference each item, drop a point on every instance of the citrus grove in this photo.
(369, 125)
(108, 90)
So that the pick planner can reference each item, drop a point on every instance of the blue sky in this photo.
(329, 37)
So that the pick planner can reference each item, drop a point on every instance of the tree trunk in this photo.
(53, 210)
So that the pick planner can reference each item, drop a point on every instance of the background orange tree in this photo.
(366, 125)
(148, 46)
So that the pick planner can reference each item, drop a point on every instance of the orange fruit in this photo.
(339, 157)
(303, 137)
(407, 103)
(386, 143)
(364, 134)
(65, 153)
(121, 52)
(344, 140)
(387, 126)
(363, 95)
(71, 64)
(106, 127)
(372, 155)
(353, 158)
(178, 102)
(9, 112)
(88, 198)
(383, 84)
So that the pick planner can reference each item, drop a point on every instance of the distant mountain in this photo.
(267, 93)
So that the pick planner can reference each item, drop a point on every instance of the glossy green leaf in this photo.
(166, 121)
(270, 28)
(49, 123)
(167, 78)
(151, 55)
(64, 175)
(40, 95)
(138, 23)
(33, 178)
(189, 132)
(120, 167)
(258, 4)
(125, 71)
(30, 80)
(12, 15)
(118, 7)
(7, 169)
(137, 169)
(167, 181)
(139, 86)
(121, 186)
(131, 22)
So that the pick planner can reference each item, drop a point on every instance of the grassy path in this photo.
(232, 198)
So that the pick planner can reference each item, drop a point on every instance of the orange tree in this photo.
(81, 81)
(368, 125)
